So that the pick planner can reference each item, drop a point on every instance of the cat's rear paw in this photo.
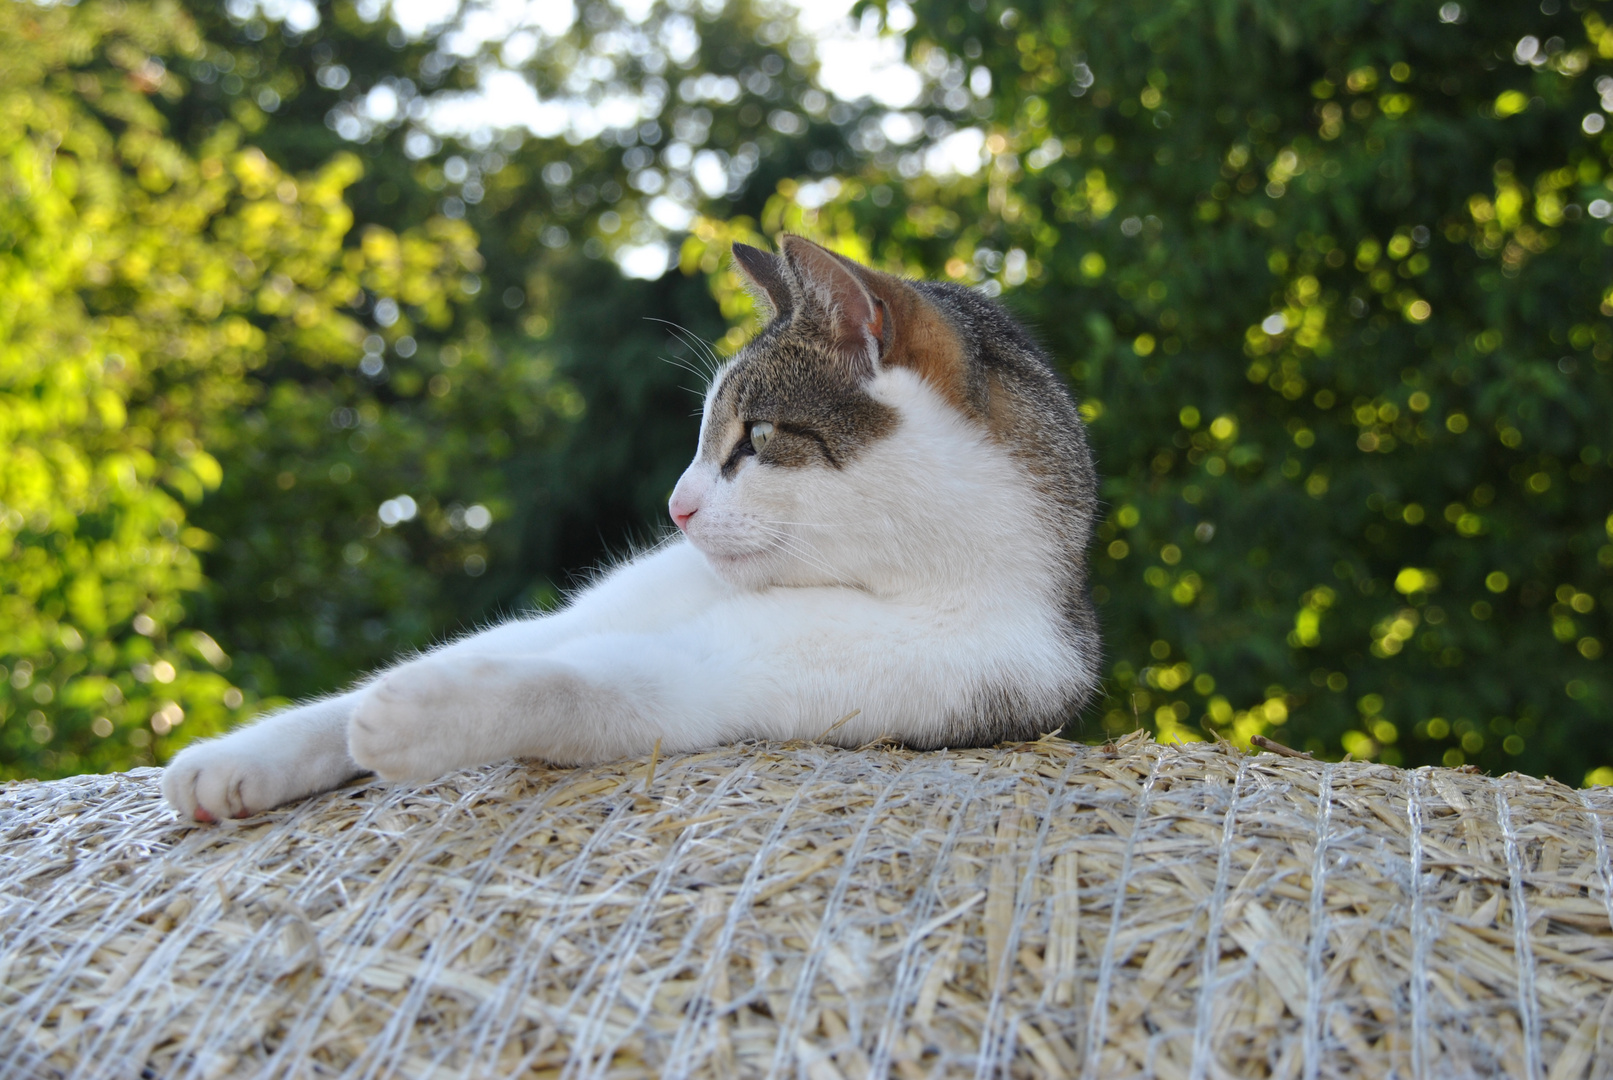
(221, 779)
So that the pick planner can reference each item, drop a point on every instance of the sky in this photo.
(857, 59)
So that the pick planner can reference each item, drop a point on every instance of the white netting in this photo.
(1038, 910)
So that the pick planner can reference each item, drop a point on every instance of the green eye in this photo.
(761, 433)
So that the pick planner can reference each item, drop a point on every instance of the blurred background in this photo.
(328, 329)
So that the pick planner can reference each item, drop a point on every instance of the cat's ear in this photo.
(855, 319)
(919, 337)
(764, 279)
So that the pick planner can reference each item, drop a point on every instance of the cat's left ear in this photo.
(764, 279)
(855, 319)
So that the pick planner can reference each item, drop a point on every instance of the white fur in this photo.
(900, 586)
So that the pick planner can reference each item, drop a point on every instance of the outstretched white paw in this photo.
(225, 778)
(281, 757)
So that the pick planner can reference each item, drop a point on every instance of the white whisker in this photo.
(801, 549)
(707, 353)
(802, 524)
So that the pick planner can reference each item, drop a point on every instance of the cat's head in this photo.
(828, 442)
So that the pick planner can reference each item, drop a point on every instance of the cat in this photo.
(887, 514)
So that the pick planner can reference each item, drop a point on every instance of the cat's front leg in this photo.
(449, 711)
(597, 699)
(284, 756)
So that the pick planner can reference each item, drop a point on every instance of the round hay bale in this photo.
(1038, 910)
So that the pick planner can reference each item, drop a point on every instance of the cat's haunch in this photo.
(887, 514)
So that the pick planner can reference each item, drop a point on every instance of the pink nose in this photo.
(682, 510)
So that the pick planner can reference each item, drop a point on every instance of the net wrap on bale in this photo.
(1039, 910)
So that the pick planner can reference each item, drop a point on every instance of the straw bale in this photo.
(1037, 910)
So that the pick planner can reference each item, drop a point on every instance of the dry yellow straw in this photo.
(1039, 910)
(838, 724)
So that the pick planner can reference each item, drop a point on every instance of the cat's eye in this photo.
(761, 433)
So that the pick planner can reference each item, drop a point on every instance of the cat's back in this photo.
(1014, 389)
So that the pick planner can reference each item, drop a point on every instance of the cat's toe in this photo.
(179, 789)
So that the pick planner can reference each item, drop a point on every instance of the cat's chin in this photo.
(742, 563)
(758, 570)
(753, 568)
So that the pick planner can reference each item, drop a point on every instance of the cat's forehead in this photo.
(775, 368)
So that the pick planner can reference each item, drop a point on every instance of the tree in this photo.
(1332, 283)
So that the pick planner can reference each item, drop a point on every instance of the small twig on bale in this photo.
(837, 724)
(644, 800)
(1278, 748)
(649, 774)
(883, 740)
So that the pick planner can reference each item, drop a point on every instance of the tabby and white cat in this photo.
(888, 513)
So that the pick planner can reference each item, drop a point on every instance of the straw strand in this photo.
(1420, 931)
(996, 1046)
(827, 926)
(1098, 1020)
(1604, 862)
(702, 1012)
(925, 900)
